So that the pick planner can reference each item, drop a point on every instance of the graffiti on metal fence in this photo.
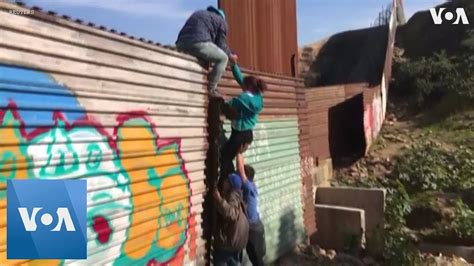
(138, 187)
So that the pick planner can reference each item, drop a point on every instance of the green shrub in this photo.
(400, 248)
(428, 167)
(457, 231)
(425, 81)
(463, 222)
(464, 84)
(397, 204)
(425, 167)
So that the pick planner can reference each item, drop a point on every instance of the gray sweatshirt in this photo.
(205, 26)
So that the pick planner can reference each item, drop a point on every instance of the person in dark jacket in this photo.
(204, 35)
(232, 228)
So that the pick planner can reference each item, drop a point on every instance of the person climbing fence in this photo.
(247, 106)
(204, 35)
(232, 228)
(256, 248)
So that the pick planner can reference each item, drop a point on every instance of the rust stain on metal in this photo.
(320, 100)
(263, 33)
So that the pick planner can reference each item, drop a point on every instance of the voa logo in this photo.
(46, 219)
(62, 214)
(440, 15)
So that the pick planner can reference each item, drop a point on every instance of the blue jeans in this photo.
(211, 53)
(226, 258)
(256, 248)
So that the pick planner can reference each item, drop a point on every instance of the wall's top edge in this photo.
(90, 27)
(363, 84)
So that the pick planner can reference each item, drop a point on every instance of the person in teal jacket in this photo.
(246, 106)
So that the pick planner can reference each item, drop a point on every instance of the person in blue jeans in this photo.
(247, 107)
(204, 35)
(256, 248)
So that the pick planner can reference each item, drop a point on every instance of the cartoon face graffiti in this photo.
(82, 152)
(138, 191)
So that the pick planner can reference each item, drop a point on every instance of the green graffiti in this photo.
(8, 160)
(64, 166)
(94, 157)
(62, 153)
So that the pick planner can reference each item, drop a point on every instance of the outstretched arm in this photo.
(228, 209)
(240, 167)
(238, 76)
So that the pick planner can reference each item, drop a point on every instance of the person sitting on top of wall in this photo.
(246, 106)
(204, 35)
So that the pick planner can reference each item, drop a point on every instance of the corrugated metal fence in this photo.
(78, 101)
(263, 33)
(327, 128)
(340, 113)
(375, 100)
(280, 156)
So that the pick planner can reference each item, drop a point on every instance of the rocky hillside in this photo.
(424, 155)
(419, 37)
(349, 57)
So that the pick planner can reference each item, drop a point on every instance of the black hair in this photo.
(249, 172)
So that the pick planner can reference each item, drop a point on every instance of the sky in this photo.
(161, 20)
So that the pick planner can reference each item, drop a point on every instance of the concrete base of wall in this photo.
(371, 200)
(464, 252)
(339, 227)
(322, 174)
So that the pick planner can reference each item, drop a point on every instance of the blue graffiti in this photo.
(37, 95)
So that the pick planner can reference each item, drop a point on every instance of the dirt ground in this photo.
(314, 256)
(398, 134)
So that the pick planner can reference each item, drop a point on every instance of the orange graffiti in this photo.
(161, 226)
(12, 166)
(157, 183)
(192, 237)
(139, 198)
(12, 156)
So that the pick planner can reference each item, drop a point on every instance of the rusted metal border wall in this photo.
(281, 158)
(321, 99)
(375, 99)
(132, 116)
(308, 161)
(129, 116)
(263, 33)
